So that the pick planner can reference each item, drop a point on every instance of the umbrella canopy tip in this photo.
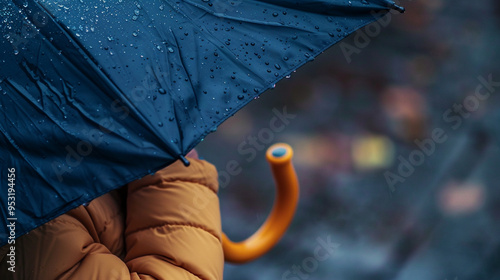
(398, 8)
(391, 4)
(184, 160)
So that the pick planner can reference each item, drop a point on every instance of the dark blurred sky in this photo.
(406, 104)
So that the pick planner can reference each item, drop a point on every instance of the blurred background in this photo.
(396, 144)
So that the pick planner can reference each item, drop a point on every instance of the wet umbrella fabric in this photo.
(95, 94)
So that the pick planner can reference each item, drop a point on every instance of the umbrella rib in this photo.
(225, 16)
(214, 40)
(187, 74)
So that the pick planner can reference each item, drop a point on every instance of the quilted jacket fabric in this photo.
(163, 226)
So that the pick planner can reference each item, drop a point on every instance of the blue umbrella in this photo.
(95, 94)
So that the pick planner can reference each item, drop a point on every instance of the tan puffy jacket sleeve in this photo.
(173, 226)
(167, 227)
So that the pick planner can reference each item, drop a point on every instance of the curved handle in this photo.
(279, 157)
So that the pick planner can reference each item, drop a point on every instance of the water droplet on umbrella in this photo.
(275, 14)
(171, 119)
(160, 124)
(162, 91)
(277, 66)
(240, 97)
(170, 49)
(137, 12)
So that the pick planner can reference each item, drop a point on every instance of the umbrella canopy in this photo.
(95, 94)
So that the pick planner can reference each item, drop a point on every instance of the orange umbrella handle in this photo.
(279, 157)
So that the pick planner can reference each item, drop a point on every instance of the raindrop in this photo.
(110, 38)
(134, 34)
(277, 66)
(240, 97)
(160, 124)
(162, 91)
(16, 52)
(275, 14)
(171, 119)
(170, 49)
(137, 12)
